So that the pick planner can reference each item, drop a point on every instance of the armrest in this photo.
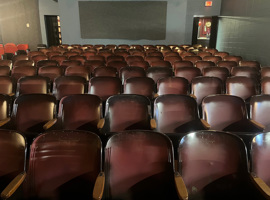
(99, 186)
(193, 96)
(11, 94)
(156, 95)
(13, 185)
(261, 185)
(101, 123)
(4, 121)
(49, 124)
(180, 186)
(153, 124)
(257, 124)
(205, 124)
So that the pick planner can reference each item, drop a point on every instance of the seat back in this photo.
(59, 59)
(161, 63)
(219, 72)
(63, 165)
(220, 110)
(254, 64)
(193, 59)
(50, 54)
(25, 110)
(265, 85)
(178, 64)
(172, 85)
(33, 85)
(260, 157)
(221, 54)
(67, 85)
(43, 63)
(21, 63)
(129, 72)
(10, 48)
(78, 58)
(138, 165)
(259, 109)
(22, 71)
(78, 71)
(69, 63)
(51, 72)
(143, 64)
(4, 71)
(80, 111)
(159, 72)
(19, 57)
(105, 71)
(265, 72)
(6, 63)
(208, 156)
(187, 72)
(241, 86)
(115, 58)
(97, 57)
(173, 59)
(34, 53)
(104, 87)
(236, 59)
(39, 57)
(171, 111)
(127, 112)
(214, 59)
(250, 72)
(203, 64)
(5, 106)
(140, 85)
(130, 59)
(7, 85)
(203, 86)
(92, 64)
(12, 154)
(117, 64)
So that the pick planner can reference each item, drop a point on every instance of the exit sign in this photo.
(208, 3)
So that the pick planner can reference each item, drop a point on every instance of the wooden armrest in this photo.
(101, 123)
(180, 186)
(13, 185)
(205, 124)
(257, 124)
(156, 95)
(11, 94)
(261, 185)
(99, 186)
(49, 124)
(4, 121)
(153, 124)
(192, 95)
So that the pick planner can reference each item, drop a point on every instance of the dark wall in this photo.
(14, 16)
(244, 29)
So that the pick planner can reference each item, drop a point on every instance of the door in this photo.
(53, 30)
(205, 31)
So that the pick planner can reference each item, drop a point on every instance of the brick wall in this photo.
(244, 29)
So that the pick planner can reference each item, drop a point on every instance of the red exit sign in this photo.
(208, 3)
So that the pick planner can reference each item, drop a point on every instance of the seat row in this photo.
(35, 113)
(114, 68)
(131, 60)
(12, 49)
(104, 87)
(136, 165)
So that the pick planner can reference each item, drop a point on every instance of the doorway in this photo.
(53, 30)
(205, 30)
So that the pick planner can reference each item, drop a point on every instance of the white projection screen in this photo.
(132, 20)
